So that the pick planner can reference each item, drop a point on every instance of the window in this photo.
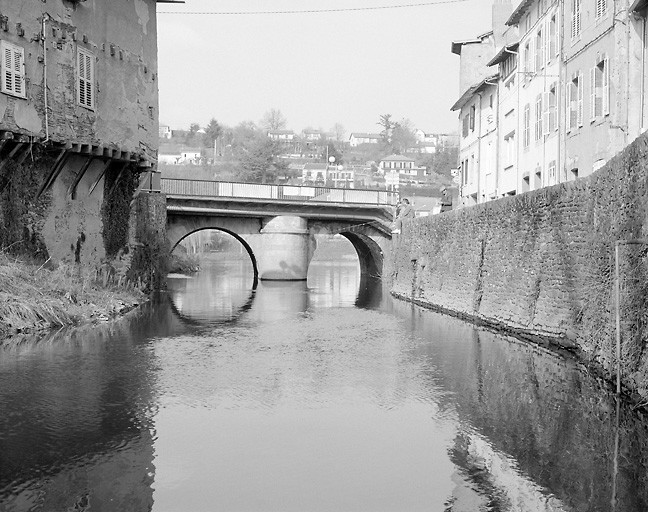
(526, 138)
(552, 172)
(576, 19)
(528, 62)
(13, 69)
(600, 89)
(575, 102)
(552, 47)
(550, 115)
(601, 8)
(472, 118)
(508, 66)
(85, 78)
(538, 118)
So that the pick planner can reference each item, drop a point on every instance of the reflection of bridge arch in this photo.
(232, 318)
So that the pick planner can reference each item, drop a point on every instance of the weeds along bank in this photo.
(543, 263)
(34, 298)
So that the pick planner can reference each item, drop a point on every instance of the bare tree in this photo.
(273, 119)
(339, 132)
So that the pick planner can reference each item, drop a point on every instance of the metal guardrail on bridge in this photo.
(204, 188)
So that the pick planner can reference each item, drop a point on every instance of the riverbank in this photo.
(35, 298)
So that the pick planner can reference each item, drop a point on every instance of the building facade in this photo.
(571, 93)
(78, 110)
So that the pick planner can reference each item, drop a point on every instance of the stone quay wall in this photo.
(542, 264)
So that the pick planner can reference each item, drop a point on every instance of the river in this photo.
(325, 395)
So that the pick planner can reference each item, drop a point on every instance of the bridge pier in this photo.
(286, 248)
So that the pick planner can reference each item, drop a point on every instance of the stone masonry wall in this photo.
(542, 263)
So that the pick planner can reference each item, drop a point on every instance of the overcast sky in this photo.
(317, 68)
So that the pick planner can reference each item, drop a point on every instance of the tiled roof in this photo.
(397, 158)
(519, 11)
(504, 53)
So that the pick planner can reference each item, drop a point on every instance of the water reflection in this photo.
(550, 420)
(76, 428)
(307, 396)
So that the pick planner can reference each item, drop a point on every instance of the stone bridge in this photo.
(277, 224)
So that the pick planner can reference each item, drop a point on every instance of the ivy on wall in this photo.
(119, 185)
(22, 215)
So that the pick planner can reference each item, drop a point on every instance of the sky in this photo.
(318, 68)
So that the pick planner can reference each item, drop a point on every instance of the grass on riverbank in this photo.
(33, 297)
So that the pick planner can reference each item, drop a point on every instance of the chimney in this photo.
(502, 10)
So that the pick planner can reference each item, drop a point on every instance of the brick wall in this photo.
(542, 263)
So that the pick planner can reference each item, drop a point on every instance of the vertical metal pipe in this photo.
(45, 99)
(618, 316)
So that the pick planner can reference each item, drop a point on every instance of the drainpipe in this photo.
(561, 97)
(643, 76)
(45, 99)
(479, 143)
(497, 140)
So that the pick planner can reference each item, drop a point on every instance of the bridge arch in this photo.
(370, 255)
(239, 238)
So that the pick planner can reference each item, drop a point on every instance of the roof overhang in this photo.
(169, 1)
(519, 11)
(478, 87)
(457, 45)
(638, 5)
(504, 53)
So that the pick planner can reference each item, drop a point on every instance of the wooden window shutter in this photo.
(13, 69)
(606, 86)
(576, 18)
(546, 114)
(592, 84)
(85, 83)
(579, 100)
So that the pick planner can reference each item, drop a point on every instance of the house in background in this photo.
(164, 131)
(315, 174)
(398, 163)
(355, 139)
(478, 150)
(341, 177)
(282, 135)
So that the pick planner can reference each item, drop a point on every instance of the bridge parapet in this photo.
(204, 188)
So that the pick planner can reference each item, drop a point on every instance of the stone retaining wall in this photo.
(542, 263)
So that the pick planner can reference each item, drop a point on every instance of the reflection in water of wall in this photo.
(306, 396)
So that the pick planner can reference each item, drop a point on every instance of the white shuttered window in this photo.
(13, 69)
(85, 81)
(601, 8)
(576, 19)
(580, 94)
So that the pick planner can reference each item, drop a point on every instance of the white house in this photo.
(164, 131)
(355, 139)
